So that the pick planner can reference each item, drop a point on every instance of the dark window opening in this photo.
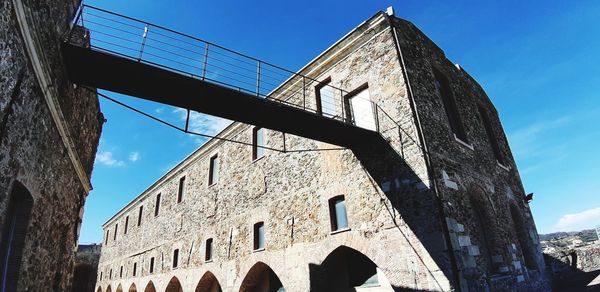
(101, 278)
(524, 240)
(140, 213)
(445, 92)
(175, 258)
(134, 269)
(491, 136)
(116, 231)
(259, 235)
(258, 143)
(325, 100)
(209, 250)
(13, 235)
(126, 225)
(110, 275)
(121, 272)
(345, 269)
(337, 213)
(213, 172)
(157, 205)
(151, 265)
(181, 189)
(107, 236)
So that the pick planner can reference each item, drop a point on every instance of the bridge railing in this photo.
(162, 47)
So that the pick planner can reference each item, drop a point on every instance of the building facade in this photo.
(49, 132)
(438, 206)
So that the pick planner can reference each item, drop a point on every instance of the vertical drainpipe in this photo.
(428, 161)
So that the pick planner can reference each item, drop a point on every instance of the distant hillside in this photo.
(585, 235)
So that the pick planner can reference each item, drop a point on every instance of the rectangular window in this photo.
(121, 272)
(157, 205)
(134, 269)
(151, 265)
(325, 98)
(175, 258)
(116, 230)
(213, 172)
(181, 189)
(101, 276)
(126, 225)
(110, 275)
(258, 143)
(107, 236)
(209, 250)
(360, 109)
(259, 236)
(443, 88)
(490, 134)
(337, 213)
(140, 213)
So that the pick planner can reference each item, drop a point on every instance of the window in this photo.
(175, 258)
(490, 134)
(258, 143)
(360, 110)
(140, 213)
(151, 265)
(259, 236)
(445, 92)
(101, 276)
(181, 188)
(325, 98)
(13, 235)
(107, 236)
(121, 272)
(126, 225)
(337, 213)
(134, 269)
(116, 230)
(213, 172)
(110, 275)
(157, 205)
(209, 250)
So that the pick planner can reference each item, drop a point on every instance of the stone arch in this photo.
(208, 283)
(119, 288)
(174, 285)
(108, 289)
(132, 288)
(346, 269)
(14, 231)
(484, 229)
(523, 237)
(83, 274)
(261, 278)
(99, 289)
(150, 287)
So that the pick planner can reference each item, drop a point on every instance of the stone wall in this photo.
(33, 152)
(490, 226)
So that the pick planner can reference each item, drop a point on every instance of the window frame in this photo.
(175, 263)
(116, 231)
(151, 264)
(255, 146)
(213, 175)
(134, 270)
(449, 103)
(257, 238)
(126, 224)
(181, 189)
(208, 250)
(318, 97)
(140, 214)
(333, 214)
(157, 205)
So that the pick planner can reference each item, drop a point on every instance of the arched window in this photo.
(174, 286)
(337, 213)
(150, 287)
(525, 242)
(13, 235)
(132, 288)
(445, 91)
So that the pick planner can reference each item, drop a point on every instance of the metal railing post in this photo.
(258, 78)
(343, 106)
(144, 36)
(205, 62)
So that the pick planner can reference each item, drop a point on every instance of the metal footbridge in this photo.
(133, 57)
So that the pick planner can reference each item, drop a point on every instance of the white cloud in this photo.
(134, 156)
(203, 124)
(578, 221)
(106, 158)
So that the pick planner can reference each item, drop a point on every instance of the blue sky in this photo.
(537, 60)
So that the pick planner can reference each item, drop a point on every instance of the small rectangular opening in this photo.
(337, 213)
(213, 172)
(151, 265)
(140, 213)
(175, 258)
(126, 225)
(258, 143)
(259, 236)
(134, 269)
(209, 250)
(157, 206)
(181, 188)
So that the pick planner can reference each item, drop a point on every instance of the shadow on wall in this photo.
(567, 277)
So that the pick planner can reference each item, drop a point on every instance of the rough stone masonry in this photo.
(440, 206)
(49, 132)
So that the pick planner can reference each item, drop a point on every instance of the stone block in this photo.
(473, 250)
(464, 240)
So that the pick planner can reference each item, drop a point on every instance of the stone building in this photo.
(86, 267)
(49, 133)
(438, 206)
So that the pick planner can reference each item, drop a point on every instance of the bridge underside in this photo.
(123, 75)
